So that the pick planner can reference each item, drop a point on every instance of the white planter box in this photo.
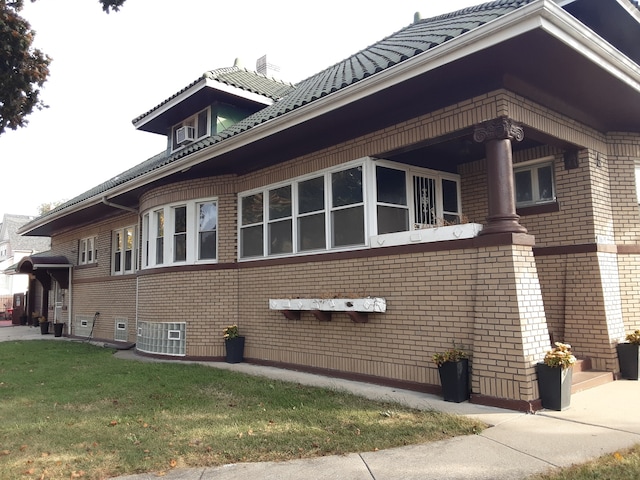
(426, 235)
(357, 308)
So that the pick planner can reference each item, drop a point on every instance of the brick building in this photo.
(468, 180)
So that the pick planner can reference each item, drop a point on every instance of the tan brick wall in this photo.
(629, 268)
(206, 300)
(510, 334)
(429, 308)
(488, 300)
(94, 289)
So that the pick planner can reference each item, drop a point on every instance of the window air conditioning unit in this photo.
(185, 135)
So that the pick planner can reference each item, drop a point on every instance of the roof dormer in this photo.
(212, 103)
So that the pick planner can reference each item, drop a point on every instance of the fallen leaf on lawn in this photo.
(5, 452)
(113, 423)
(173, 463)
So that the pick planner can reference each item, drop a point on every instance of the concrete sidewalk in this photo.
(601, 420)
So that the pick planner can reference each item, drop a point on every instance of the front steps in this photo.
(584, 377)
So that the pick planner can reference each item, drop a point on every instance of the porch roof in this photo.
(45, 266)
(500, 41)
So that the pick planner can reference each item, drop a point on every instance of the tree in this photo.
(48, 206)
(23, 69)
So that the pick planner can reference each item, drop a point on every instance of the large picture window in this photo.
(182, 233)
(342, 207)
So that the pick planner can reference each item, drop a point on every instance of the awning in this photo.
(44, 267)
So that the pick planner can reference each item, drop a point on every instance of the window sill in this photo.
(86, 265)
(425, 235)
(550, 207)
(357, 308)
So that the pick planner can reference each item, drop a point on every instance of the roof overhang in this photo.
(538, 51)
(192, 99)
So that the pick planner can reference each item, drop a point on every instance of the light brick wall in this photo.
(485, 299)
(510, 334)
(94, 289)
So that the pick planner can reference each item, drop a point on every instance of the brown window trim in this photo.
(539, 209)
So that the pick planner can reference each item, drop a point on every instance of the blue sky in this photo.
(108, 69)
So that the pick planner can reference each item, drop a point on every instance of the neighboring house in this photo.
(13, 247)
(467, 180)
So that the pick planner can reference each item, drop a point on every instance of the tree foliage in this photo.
(23, 68)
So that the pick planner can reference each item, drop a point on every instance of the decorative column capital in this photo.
(502, 128)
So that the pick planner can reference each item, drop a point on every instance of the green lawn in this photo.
(73, 410)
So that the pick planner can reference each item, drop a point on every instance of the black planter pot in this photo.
(628, 359)
(234, 350)
(23, 319)
(554, 385)
(57, 329)
(454, 378)
(44, 328)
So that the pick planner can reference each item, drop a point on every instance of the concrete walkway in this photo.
(602, 420)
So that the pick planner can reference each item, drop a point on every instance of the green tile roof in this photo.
(236, 77)
(408, 42)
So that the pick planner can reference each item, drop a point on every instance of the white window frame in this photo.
(193, 122)
(118, 265)
(410, 172)
(637, 177)
(192, 234)
(369, 205)
(87, 247)
(534, 166)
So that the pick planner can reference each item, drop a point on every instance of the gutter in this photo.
(543, 14)
(115, 205)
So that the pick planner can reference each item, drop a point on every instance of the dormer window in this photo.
(190, 130)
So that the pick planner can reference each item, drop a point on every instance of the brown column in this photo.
(497, 135)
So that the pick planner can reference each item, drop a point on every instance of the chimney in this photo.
(265, 68)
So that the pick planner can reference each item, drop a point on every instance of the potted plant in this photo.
(629, 356)
(555, 374)
(58, 328)
(34, 319)
(234, 344)
(44, 325)
(453, 368)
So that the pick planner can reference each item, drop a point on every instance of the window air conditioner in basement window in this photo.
(185, 135)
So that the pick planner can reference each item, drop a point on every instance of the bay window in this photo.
(182, 233)
(341, 208)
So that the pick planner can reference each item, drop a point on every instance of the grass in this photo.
(623, 465)
(73, 410)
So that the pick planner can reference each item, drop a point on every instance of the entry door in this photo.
(58, 296)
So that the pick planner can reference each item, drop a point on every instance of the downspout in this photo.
(132, 210)
(70, 306)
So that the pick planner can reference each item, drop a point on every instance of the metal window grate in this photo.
(424, 198)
